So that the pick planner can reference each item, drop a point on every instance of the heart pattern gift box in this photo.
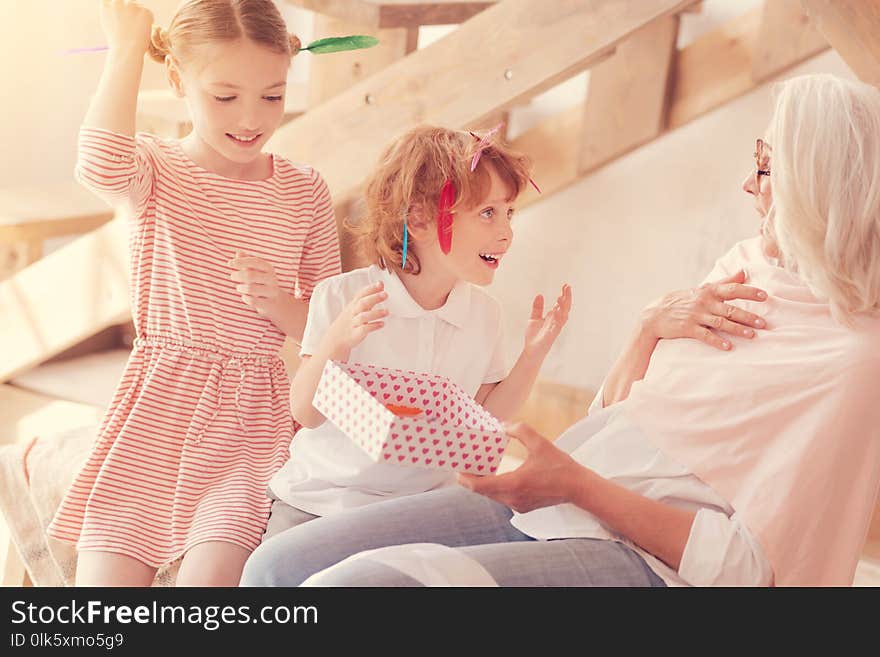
(410, 419)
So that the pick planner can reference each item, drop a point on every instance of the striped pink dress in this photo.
(201, 418)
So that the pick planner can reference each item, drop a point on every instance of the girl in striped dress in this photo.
(227, 243)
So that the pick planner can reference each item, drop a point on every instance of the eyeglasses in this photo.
(762, 158)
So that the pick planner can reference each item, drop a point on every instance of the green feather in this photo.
(338, 44)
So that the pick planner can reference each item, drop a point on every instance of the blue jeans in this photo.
(454, 517)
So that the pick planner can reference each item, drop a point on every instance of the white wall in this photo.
(646, 224)
(46, 93)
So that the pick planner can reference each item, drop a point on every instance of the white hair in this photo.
(825, 140)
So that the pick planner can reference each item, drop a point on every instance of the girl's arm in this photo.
(259, 288)
(114, 105)
(302, 389)
(505, 398)
(109, 161)
(697, 313)
(290, 315)
(357, 320)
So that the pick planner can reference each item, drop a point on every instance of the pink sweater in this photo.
(786, 427)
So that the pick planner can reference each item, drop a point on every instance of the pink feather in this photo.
(483, 145)
(444, 216)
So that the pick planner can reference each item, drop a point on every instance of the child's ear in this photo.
(174, 78)
(420, 228)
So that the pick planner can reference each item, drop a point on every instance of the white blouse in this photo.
(720, 550)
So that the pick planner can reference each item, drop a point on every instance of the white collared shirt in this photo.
(462, 340)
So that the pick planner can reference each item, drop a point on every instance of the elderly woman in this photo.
(756, 463)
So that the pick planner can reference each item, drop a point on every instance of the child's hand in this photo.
(356, 321)
(126, 24)
(257, 282)
(542, 330)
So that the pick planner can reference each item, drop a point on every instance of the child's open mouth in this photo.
(491, 259)
(244, 140)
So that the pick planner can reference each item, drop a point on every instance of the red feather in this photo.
(444, 216)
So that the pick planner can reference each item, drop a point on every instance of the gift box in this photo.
(410, 419)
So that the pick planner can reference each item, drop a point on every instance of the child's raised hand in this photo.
(257, 282)
(542, 330)
(356, 321)
(126, 24)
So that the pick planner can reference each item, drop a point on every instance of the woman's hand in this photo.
(548, 475)
(257, 282)
(701, 313)
(542, 330)
(126, 25)
(356, 321)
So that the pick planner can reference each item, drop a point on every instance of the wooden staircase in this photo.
(503, 53)
(365, 94)
(642, 85)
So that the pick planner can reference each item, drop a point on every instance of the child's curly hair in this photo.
(410, 175)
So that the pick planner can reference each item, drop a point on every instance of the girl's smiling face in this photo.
(235, 95)
(481, 235)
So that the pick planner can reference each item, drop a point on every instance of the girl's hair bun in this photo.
(158, 47)
(295, 45)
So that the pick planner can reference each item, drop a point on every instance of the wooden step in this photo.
(551, 409)
(31, 215)
(715, 69)
(573, 35)
(25, 414)
(89, 379)
(45, 211)
(68, 296)
(396, 13)
(852, 28)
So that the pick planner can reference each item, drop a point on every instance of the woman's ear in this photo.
(174, 78)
